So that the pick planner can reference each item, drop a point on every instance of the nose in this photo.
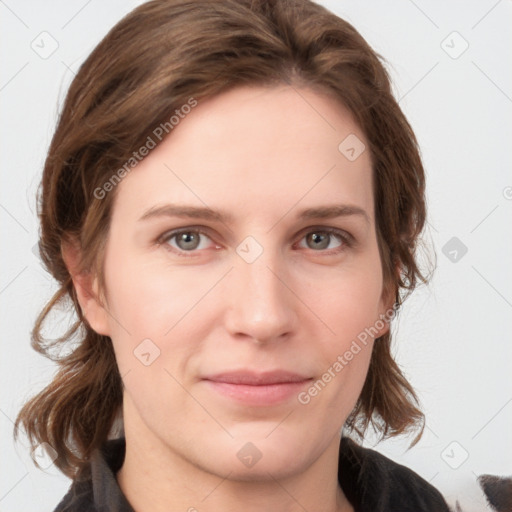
(262, 306)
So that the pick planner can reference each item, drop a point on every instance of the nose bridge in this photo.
(262, 306)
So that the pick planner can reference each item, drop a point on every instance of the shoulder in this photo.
(371, 481)
(78, 498)
(97, 489)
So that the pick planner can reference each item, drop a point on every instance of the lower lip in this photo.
(263, 395)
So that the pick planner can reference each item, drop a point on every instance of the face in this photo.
(241, 269)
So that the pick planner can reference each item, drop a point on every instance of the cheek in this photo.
(349, 307)
(149, 312)
(157, 303)
(349, 303)
(149, 299)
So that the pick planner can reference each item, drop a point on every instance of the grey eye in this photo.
(319, 240)
(187, 240)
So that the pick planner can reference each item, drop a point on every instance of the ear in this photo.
(87, 289)
(387, 302)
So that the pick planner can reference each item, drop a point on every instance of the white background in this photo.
(454, 339)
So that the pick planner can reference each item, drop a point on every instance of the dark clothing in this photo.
(371, 482)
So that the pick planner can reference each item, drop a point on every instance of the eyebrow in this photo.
(194, 212)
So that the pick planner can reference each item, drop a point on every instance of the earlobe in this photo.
(382, 323)
(388, 311)
(87, 289)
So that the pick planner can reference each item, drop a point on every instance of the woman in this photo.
(232, 200)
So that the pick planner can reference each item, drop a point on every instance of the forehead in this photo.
(255, 149)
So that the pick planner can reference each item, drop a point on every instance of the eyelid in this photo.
(346, 238)
(168, 235)
(348, 241)
(345, 235)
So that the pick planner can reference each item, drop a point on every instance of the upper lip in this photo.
(253, 378)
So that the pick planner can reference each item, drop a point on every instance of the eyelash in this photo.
(346, 239)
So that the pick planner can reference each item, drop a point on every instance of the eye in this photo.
(185, 240)
(327, 238)
(190, 240)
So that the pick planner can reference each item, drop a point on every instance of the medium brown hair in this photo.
(151, 63)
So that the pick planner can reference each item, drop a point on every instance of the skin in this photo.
(262, 155)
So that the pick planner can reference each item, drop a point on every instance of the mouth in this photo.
(257, 388)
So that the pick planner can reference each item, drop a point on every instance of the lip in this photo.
(258, 388)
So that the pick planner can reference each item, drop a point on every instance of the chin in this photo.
(255, 455)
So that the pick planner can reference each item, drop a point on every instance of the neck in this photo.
(154, 478)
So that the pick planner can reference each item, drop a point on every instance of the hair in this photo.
(151, 63)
